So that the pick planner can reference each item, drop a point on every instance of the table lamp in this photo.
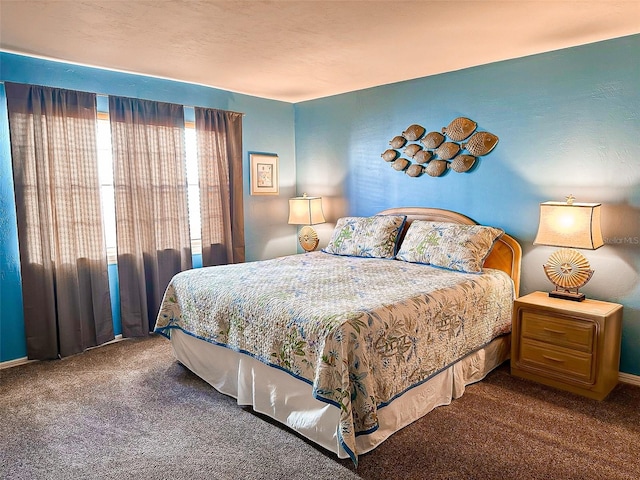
(570, 225)
(306, 211)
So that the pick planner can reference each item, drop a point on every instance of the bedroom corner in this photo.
(567, 122)
(268, 126)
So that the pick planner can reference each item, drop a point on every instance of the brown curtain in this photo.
(219, 138)
(152, 222)
(67, 306)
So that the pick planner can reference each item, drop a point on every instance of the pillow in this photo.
(375, 237)
(448, 245)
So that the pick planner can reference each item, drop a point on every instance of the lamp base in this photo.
(308, 239)
(569, 271)
(573, 296)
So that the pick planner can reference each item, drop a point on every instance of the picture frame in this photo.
(264, 175)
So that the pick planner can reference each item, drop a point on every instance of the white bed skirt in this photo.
(275, 393)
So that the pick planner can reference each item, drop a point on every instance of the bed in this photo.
(350, 344)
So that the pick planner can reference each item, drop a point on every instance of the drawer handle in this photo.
(553, 359)
(551, 330)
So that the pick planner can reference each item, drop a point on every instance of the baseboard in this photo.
(15, 362)
(23, 360)
(628, 378)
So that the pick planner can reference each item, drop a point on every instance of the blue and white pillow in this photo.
(452, 246)
(374, 237)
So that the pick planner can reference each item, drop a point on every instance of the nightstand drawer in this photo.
(562, 331)
(553, 360)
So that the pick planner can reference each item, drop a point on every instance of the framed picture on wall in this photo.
(264, 174)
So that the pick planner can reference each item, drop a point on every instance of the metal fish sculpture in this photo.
(413, 132)
(432, 140)
(411, 150)
(423, 156)
(459, 129)
(400, 164)
(462, 163)
(480, 143)
(415, 170)
(389, 155)
(397, 141)
(447, 150)
(435, 168)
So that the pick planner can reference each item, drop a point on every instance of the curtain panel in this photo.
(152, 222)
(67, 307)
(219, 138)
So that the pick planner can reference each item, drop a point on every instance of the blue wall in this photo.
(12, 339)
(568, 122)
(268, 126)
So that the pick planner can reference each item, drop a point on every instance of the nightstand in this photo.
(573, 346)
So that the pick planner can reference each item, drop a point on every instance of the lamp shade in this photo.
(572, 225)
(305, 210)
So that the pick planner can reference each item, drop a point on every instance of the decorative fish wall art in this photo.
(414, 132)
(411, 150)
(457, 148)
(423, 156)
(389, 155)
(447, 150)
(398, 141)
(481, 143)
(432, 140)
(459, 129)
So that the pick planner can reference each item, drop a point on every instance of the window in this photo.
(105, 169)
(193, 192)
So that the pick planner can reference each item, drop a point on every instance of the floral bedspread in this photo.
(361, 331)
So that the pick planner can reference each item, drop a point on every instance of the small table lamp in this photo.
(572, 225)
(306, 211)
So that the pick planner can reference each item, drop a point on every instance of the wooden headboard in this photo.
(506, 254)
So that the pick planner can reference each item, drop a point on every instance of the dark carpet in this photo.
(128, 410)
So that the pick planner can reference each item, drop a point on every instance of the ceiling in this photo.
(301, 50)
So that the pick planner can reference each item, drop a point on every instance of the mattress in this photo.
(361, 332)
